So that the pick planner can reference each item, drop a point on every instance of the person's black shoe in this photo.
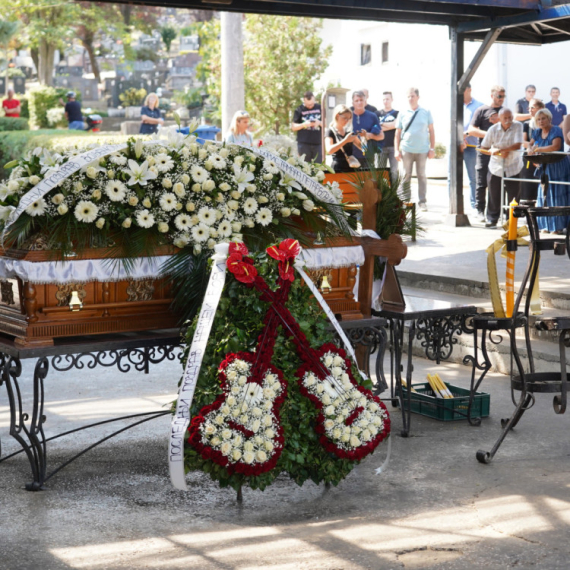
(490, 224)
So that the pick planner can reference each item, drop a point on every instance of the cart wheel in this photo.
(557, 405)
(483, 457)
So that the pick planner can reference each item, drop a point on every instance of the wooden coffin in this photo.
(37, 314)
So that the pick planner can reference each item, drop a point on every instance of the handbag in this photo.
(410, 123)
(352, 161)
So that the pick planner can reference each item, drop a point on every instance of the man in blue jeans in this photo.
(73, 112)
(469, 146)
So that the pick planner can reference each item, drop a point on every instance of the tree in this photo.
(48, 25)
(283, 57)
(167, 33)
(7, 32)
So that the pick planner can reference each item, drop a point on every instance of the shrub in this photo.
(133, 97)
(15, 72)
(56, 117)
(146, 54)
(42, 99)
(440, 150)
(13, 124)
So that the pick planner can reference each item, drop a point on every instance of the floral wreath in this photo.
(241, 430)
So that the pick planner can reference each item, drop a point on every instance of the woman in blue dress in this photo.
(547, 138)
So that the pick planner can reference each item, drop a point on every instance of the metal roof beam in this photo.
(489, 40)
(558, 30)
(538, 16)
(414, 6)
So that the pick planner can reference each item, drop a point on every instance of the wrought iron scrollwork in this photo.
(439, 335)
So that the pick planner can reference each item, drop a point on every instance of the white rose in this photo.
(197, 249)
(34, 180)
(219, 419)
(329, 424)
(267, 421)
(248, 446)
(111, 174)
(280, 196)
(263, 200)
(197, 187)
(251, 187)
(209, 429)
(226, 448)
(249, 457)
(296, 212)
(202, 154)
(238, 160)
(179, 189)
(163, 227)
(208, 165)
(127, 223)
(208, 186)
(96, 195)
(257, 412)
(224, 186)
(252, 169)
(261, 456)
(91, 172)
(269, 433)
(100, 223)
(366, 435)
(58, 199)
(236, 455)
(329, 410)
(308, 205)
(268, 176)
(146, 203)
(185, 179)
(354, 441)
(338, 360)
(269, 446)
(235, 195)
(255, 426)
(345, 438)
(133, 200)
(167, 183)
(77, 187)
(62, 209)
(215, 441)
(236, 226)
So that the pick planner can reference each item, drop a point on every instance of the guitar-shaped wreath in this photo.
(241, 429)
(352, 421)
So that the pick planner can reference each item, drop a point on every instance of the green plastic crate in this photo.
(424, 402)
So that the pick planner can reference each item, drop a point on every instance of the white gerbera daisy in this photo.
(264, 216)
(168, 201)
(200, 233)
(86, 211)
(118, 159)
(207, 215)
(217, 161)
(145, 219)
(37, 208)
(183, 222)
(250, 206)
(199, 174)
(116, 190)
(163, 162)
(270, 166)
(225, 229)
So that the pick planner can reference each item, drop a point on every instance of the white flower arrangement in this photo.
(341, 401)
(191, 195)
(244, 428)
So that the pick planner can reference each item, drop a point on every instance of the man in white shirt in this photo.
(503, 142)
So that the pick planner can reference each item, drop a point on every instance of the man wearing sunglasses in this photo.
(483, 119)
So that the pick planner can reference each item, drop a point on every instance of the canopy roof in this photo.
(532, 22)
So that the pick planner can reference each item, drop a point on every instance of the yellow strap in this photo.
(501, 244)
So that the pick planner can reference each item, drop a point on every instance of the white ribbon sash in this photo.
(181, 418)
(317, 294)
(316, 189)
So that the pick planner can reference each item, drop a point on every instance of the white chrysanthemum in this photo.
(163, 162)
(116, 190)
(264, 216)
(86, 211)
(168, 202)
(199, 174)
(207, 215)
(200, 234)
(145, 219)
(183, 222)
(225, 229)
(37, 208)
(250, 206)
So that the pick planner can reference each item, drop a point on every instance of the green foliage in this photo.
(15, 72)
(440, 150)
(191, 98)
(13, 124)
(283, 57)
(167, 33)
(236, 327)
(8, 30)
(24, 106)
(133, 97)
(42, 99)
(146, 53)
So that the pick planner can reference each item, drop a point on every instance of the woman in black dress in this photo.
(150, 115)
(339, 140)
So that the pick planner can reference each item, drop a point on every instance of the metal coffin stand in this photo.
(532, 382)
(134, 351)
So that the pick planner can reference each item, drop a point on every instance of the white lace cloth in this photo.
(80, 270)
(320, 258)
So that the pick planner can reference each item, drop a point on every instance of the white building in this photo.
(393, 57)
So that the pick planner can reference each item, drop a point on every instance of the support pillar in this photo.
(233, 89)
(456, 216)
